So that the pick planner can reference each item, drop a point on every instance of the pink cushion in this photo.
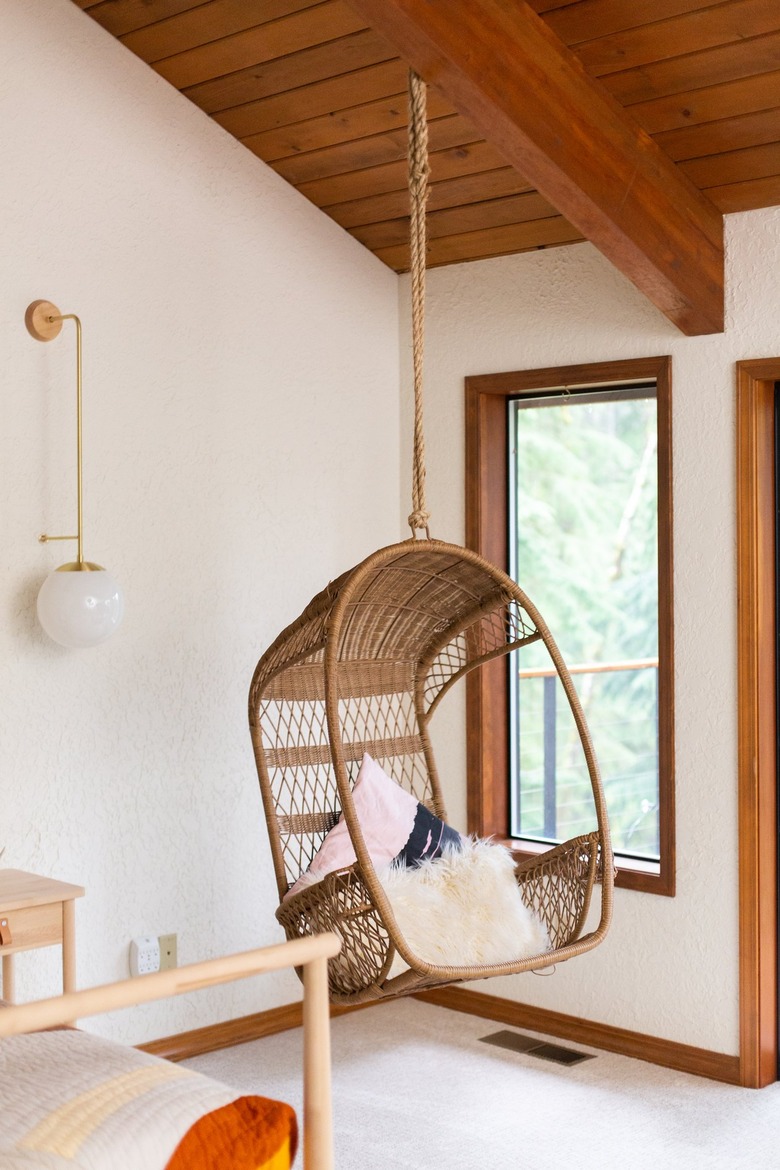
(386, 813)
(396, 828)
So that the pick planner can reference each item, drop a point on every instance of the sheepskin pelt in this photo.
(464, 908)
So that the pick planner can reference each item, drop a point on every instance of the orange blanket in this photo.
(251, 1133)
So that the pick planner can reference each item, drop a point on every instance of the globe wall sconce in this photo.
(79, 604)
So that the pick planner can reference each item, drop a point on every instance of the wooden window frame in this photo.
(487, 527)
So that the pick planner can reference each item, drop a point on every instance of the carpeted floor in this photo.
(413, 1088)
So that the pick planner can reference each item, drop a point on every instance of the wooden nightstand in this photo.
(36, 912)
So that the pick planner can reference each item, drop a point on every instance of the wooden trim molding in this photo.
(214, 1037)
(487, 533)
(718, 1066)
(756, 640)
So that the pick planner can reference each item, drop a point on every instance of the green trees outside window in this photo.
(583, 544)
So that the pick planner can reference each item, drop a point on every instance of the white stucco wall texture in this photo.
(241, 449)
(669, 967)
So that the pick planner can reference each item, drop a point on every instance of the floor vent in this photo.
(516, 1042)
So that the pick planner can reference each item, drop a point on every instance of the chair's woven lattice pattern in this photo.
(385, 726)
(300, 778)
(557, 886)
(362, 670)
(342, 903)
(489, 635)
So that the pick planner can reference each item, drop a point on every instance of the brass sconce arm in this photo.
(44, 323)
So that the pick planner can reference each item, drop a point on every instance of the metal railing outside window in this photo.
(551, 798)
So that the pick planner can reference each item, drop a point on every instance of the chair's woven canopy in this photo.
(421, 610)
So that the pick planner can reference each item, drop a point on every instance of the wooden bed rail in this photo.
(310, 953)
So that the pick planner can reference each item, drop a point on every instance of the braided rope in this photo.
(418, 198)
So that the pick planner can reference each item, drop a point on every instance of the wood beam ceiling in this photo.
(507, 72)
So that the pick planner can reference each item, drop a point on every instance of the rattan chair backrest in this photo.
(399, 629)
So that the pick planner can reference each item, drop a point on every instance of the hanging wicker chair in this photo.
(362, 670)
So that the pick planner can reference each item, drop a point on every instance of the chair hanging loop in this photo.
(418, 198)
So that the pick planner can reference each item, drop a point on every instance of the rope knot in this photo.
(418, 522)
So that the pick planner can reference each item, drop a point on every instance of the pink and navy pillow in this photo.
(397, 829)
(427, 840)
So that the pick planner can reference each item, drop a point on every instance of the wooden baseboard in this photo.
(668, 1053)
(230, 1032)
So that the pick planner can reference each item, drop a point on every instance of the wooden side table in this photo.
(36, 912)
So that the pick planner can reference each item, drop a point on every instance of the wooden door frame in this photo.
(757, 784)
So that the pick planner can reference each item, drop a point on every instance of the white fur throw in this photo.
(464, 909)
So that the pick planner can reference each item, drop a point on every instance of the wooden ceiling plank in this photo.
(244, 50)
(743, 58)
(748, 195)
(363, 121)
(362, 153)
(291, 72)
(318, 134)
(696, 30)
(735, 166)
(122, 16)
(457, 220)
(208, 22)
(320, 99)
(295, 71)
(504, 69)
(746, 96)
(445, 164)
(541, 6)
(492, 242)
(600, 18)
(719, 137)
(465, 189)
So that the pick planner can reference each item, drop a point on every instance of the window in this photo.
(569, 489)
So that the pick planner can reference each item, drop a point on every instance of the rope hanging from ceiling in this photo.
(418, 201)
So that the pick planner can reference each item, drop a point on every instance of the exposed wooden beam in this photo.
(504, 69)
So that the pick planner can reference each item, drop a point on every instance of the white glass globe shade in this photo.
(80, 608)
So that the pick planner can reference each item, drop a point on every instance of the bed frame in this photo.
(310, 953)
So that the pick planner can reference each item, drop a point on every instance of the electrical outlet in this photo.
(169, 953)
(144, 955)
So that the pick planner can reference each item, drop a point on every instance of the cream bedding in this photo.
(69, 1099)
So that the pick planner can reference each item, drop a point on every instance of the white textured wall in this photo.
(241, 433)
(669, 966)
(242, 448)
